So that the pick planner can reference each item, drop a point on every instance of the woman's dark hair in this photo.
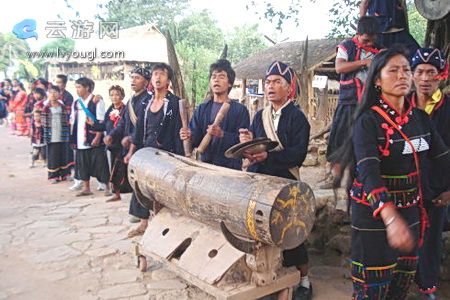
(22, 87)
(223, 65)
(117, 88)
(43, 81)
(345, 155)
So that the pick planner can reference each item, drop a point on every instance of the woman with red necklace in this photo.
(112, 117)
(390, 143)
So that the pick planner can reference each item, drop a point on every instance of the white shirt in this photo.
(276, 115)
(81, 118)
(56, 124)
(362, 72)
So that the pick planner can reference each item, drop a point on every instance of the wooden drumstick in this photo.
(184, 114)
(219, 118)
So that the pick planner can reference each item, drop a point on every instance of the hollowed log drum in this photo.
(268, 209)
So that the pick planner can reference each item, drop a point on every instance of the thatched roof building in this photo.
(307, 58)
(319, 53)
(140, 45)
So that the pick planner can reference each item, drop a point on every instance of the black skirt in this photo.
(340, 129)
(58, 164)
(119, 176)
(402, 38)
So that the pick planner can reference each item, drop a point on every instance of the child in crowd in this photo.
(37, 139)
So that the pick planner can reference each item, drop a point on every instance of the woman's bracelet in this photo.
(390, 221)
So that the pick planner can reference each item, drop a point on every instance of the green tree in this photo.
(277, 12)
(199, 29)
(344, 17)
(131, 13)
(417, 24)
(66, 45)
(13, 51)
(198, 43)
(244, 41)
(195, 64)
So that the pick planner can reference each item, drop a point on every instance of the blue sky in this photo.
(229, 14)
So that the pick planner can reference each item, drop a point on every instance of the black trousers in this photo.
(137, 210)
(295, 257)
(92, 163)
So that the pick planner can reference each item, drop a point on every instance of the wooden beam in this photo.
(270, 40)
(332, 56)
(325, 70)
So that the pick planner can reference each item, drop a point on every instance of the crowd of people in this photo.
(390, 131)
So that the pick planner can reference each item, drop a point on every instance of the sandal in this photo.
(108, 193)
(114, 199)
(84, 193)
(136, 232)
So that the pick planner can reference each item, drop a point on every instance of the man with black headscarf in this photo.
(140, 78)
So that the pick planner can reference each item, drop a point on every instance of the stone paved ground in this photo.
(56, 246)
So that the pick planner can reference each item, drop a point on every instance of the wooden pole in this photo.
(177, 81)
(304, 97)
(224, 53)
(184, 114)
(323, 104)
(219, 118)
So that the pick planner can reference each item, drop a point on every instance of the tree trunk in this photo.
(438, 33)
(264, 208)
(438, 36)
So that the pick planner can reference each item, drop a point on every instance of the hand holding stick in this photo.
(187, 144)
(219, 118)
